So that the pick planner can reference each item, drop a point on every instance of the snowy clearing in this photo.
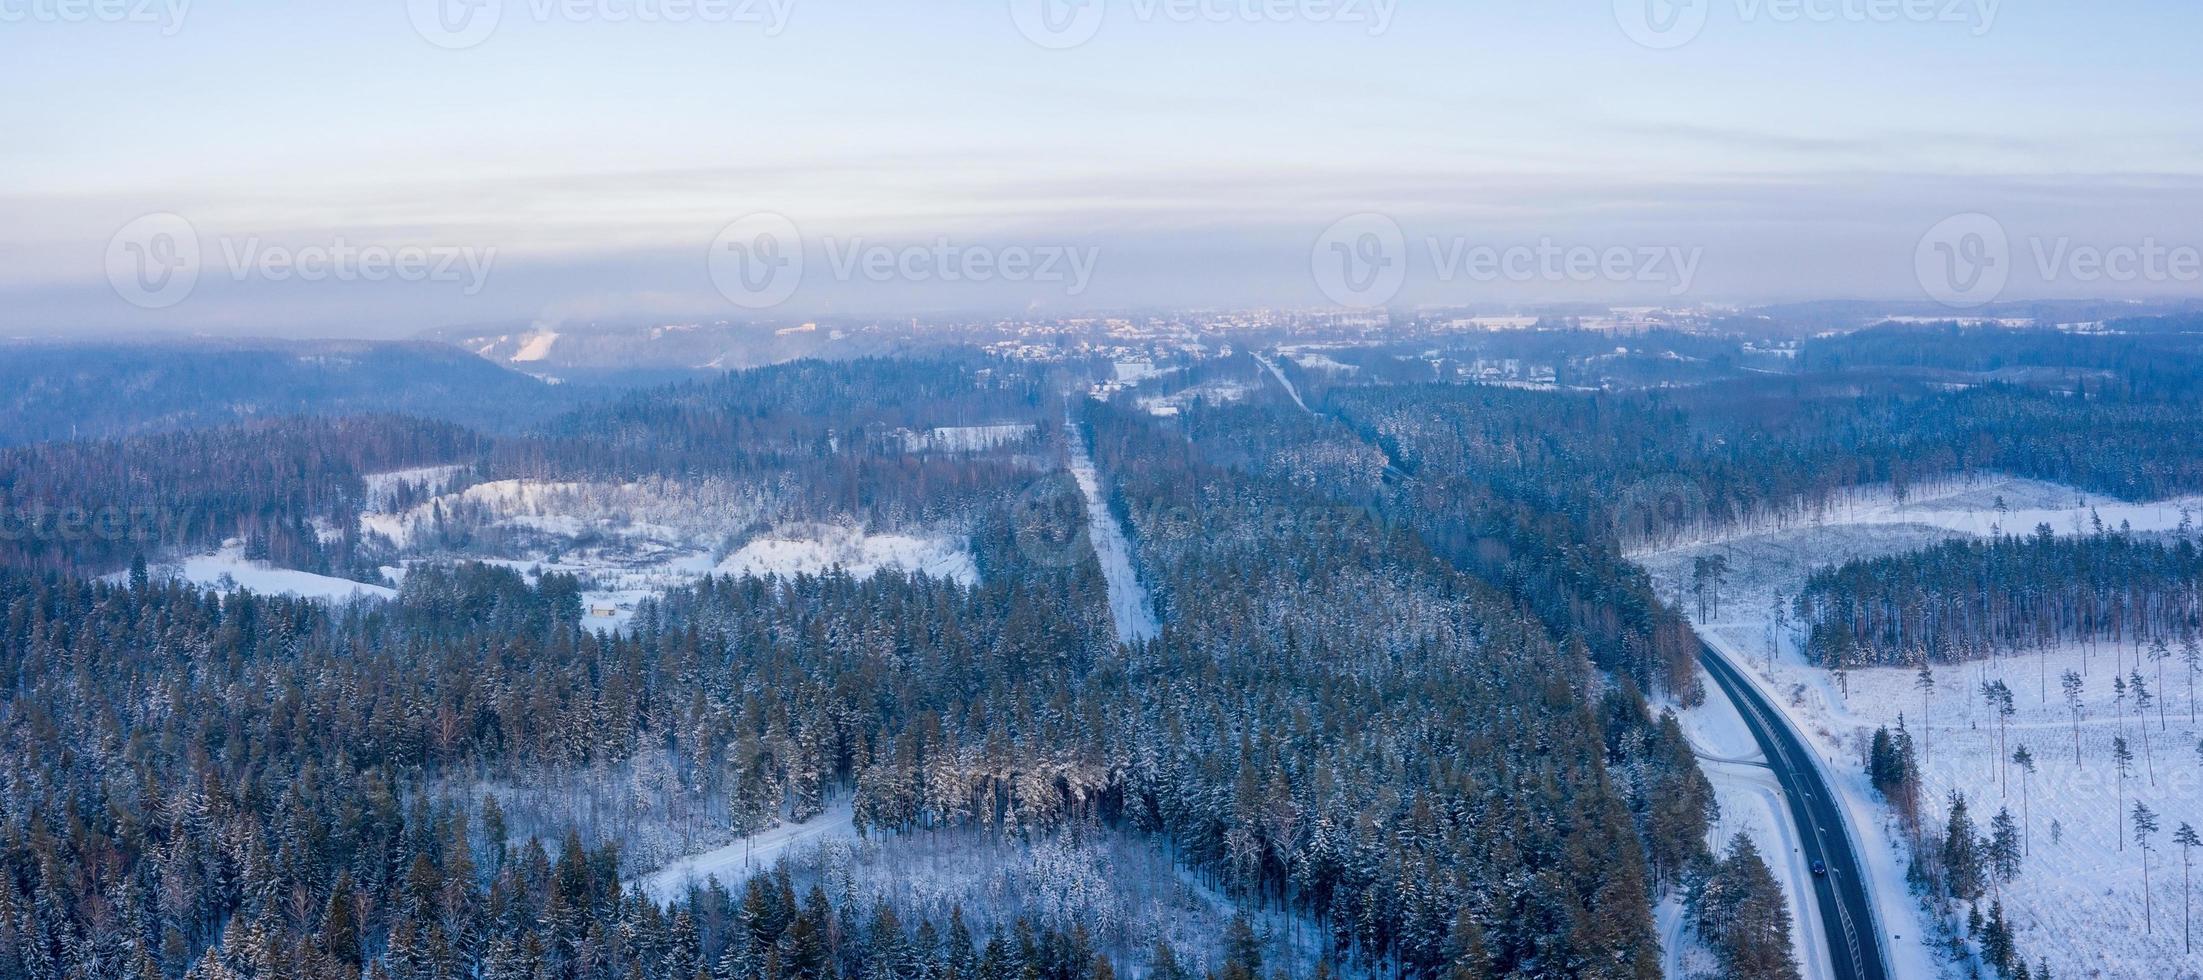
(1129, 605)
(733, 864)
(382, 488)
(1210, 393)
(817, 549)
(1275, 372)
(1965, 505)
(1314, 359)
(2078, 899)
(229, 568)
(537, 347)
(967, 438)
(629, 541)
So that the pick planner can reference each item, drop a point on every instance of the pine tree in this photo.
(2004, 848)
(2191, 656)
(2145, 833)
(340, 934)
(2071, 683)
(1466, 958)
(1242, 950)
(2188, 840)
(2122, 761)
(1923, 681)
(1739, 910)
(1961, 853)
(1164, 964)
(2025, 760)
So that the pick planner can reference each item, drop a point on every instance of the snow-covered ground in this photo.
(734, 863)
(228, 568)
(1287, 382)
(382, 487)
(629, 541)
(1134, 372)
(1126, 892)
(817, 548)
(1752, 804)
(1966, 505)
(967, 438)
(537, 347)
(1316, 359)
(1211, 393)
(1129, 604)
(2078, 899)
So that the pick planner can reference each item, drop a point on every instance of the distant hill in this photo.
(106, 389)
(642, 354)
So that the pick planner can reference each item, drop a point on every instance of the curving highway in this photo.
(1854, 946)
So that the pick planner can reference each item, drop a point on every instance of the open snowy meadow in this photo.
(2079, 900)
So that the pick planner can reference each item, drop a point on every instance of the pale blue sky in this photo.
(1201, 159)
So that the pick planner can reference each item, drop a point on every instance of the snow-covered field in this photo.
(1127, 893)
(628, 541)
(382, 487)
(1211, 393)
(1962, 505)
(228, 568)
(814, 549)
(1315, 359)
(2078, 899)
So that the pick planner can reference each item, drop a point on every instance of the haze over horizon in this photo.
(549, 161)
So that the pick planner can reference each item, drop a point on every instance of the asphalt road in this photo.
(1854, 948)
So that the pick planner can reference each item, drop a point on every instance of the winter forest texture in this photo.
(1962, 600)
(1394, 722)
(461, 781)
